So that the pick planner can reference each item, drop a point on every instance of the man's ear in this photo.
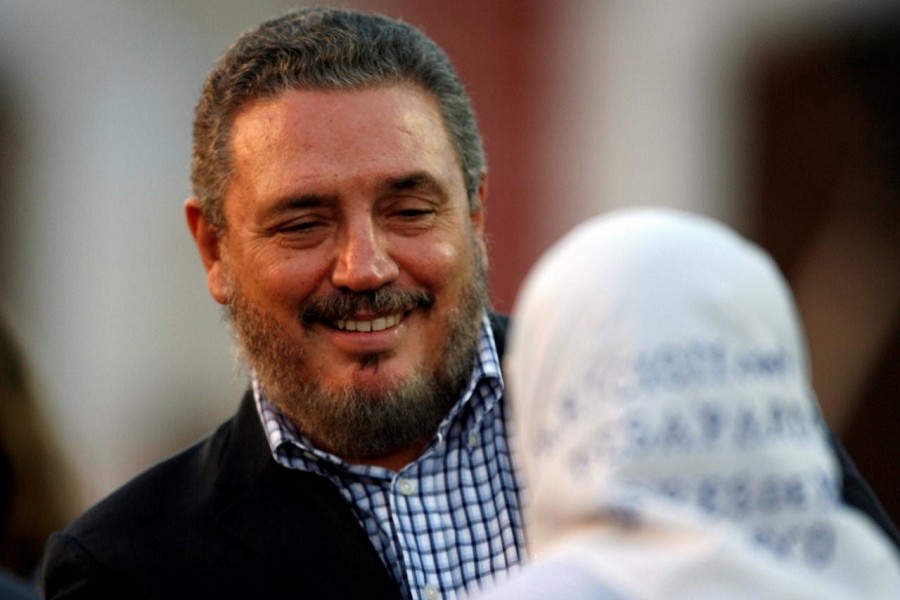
(208, 244)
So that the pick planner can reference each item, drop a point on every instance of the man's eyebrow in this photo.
(418, 181)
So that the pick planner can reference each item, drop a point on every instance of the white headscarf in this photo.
(669, 439)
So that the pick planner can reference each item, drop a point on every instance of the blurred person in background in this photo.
(340, 181)
(35, 489)
(670, 441)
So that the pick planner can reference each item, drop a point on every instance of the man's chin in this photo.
(368, 417)
(376, 374)
(371, 362)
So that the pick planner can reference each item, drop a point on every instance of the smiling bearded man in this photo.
(339, 183)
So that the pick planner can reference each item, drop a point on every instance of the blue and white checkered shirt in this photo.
(450, 519)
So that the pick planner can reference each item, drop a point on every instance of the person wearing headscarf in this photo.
(668, 438)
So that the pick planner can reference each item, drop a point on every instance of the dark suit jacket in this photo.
(223, 520)
(220, 520)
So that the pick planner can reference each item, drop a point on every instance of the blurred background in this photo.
(780, 118)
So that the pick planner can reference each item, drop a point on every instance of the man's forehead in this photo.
(315, 113)
(391, 135)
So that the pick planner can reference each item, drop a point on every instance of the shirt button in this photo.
(432, 592)
(473, 439)
(406, 486)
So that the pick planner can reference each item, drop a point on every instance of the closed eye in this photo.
(301, 232)
(301, 226)
(413, 213)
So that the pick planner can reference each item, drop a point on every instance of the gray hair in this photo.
(320, 48)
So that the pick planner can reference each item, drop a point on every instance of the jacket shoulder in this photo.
(164, 490)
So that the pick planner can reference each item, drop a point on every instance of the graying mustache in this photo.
(344, 305)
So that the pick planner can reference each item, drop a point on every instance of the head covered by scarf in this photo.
(669, 440)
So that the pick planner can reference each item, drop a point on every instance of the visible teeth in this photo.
(379, 324)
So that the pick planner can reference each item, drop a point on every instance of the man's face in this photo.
(352, 266)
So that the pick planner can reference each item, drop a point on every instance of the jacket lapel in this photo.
(295, 520)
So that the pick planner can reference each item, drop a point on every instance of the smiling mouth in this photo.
(366, 326)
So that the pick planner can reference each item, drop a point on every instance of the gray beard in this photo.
(353, 423)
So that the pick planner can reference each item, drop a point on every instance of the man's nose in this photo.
(363, 262)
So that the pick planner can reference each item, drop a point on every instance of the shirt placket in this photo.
(421, 535)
